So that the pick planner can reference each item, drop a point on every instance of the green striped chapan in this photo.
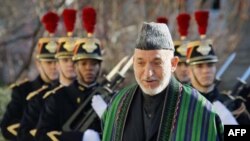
(193, 117)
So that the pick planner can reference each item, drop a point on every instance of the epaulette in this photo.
(52, 91)
(15, 84)
(33, 132)
(53, 135)
(32, 94)
(13, 128)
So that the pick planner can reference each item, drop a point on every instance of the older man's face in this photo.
(153, 69)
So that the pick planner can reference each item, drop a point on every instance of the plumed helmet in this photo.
(46, 46)
(201, 51)
(46, 49)
(89, 47)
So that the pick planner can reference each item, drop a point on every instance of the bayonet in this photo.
(224, 67)
(245, 76)
(241, 82)
(126, 67)
(121, 74)
(116, 69)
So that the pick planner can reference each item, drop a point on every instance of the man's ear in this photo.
(174, 63)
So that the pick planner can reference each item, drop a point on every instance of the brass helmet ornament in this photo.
(46, 47)
(89, 47)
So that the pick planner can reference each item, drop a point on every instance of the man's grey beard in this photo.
(155, 91)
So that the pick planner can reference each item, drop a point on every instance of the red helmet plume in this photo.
(50, 21)
(89, 19)
(201, 18)
(69, 18)
(183, 24)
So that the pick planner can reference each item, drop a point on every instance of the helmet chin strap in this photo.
(45, 74)
(81, 78)
(196, 79)
(208, 88)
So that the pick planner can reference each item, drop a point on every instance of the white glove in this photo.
(91, 135)
(225, 115)
(99, 105)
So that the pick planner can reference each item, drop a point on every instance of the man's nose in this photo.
(70, 63)
(53, 65)
(148, 70)
(206, 69)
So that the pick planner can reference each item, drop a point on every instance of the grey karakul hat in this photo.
(154, 36)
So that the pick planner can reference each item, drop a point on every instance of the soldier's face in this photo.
(88, 70)
(204, 73)
(66, 68)
(181, 72)
(48, 70)
(153, 69)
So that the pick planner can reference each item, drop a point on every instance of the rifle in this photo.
(106, 90)
(223, 68)
(229, 100)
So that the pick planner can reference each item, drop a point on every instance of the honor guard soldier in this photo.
(181, 72)
(46, 47)
(60, 106)
(46, 66)
(201, 59)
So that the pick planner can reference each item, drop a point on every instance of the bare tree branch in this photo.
(22, 37)
(37, 34)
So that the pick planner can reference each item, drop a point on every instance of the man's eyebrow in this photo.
(157, 59)
(139, 58)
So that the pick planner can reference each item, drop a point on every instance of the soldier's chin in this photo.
(207, 85)
(54, 77)
(71, 77)
(89, 81)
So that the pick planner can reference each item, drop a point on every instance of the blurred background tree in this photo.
(4, 100)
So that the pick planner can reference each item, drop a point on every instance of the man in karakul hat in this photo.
(158, 107)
